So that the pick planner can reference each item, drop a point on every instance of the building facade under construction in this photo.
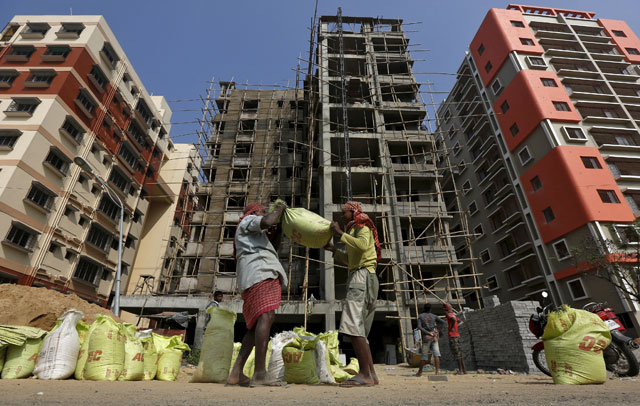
(355, 128)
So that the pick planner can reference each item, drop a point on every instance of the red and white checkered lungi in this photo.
(261, 298)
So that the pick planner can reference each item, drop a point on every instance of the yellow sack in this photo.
(150, 355)
(236, 351)
(331, 340)
(339, 374)
(82, 328)
(3, 350)
(573, 344)
(105, 356)
(250, 365)
(21, 360)
(84, 348)
(169, 357)
(133, 369)
(300, 365)
(217, 347)
(353, 368)
(306, 228)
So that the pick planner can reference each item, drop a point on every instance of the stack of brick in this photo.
(496, 337)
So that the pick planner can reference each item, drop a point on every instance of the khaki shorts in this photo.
(359, 307)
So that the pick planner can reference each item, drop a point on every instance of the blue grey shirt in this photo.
(256, 258)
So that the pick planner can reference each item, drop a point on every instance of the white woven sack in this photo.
(60, 349)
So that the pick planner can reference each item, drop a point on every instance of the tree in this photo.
(616, 261)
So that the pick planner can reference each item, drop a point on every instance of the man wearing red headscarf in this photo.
(362, 254)
(260, 280)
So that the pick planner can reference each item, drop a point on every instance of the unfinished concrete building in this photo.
(356, 129)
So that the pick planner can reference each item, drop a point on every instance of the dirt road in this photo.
(398, 387)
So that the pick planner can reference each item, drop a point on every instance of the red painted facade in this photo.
(530, 102)
(571, 190)
(498, 37)
(629, 41)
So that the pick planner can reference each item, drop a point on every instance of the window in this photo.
(56, 53)
(40, 78)
(69, 255)
(526, 41)
(548, 215)
(138, 135)
(518, 24)
(536, 61)
(41, 196)
(70, 30)
(485, 256)
(591, 162)
(35, 30)
(85, 102)
(87, 270)
(7, 77)
(22, 107)
(21, 53)
(109, 207)
(496, 87)
(575, 133)
(9, 31)
(22, 236)
(243, 148)
(456, 149)
(504, 106)
(143, 109)
(53, 247)
(562, 250)
(514, 130)
(492, 283)
(473, 208)
(250, 106)
(119, 180)
(577, 289)
(619, 33)
(57, 160)
(481, 49)
(72, 129)
(99, 237)
(82, 219)
(129, 156)
(488, 67)
(548, 82)
(97, 77)
(561, 106)
(524, 155)
(608, 196)
(633, 51)
(8, 139)
(466, 187)
(478, 231)
(109, 55)
(536, 184)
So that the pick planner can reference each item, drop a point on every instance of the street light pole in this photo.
(85, 166)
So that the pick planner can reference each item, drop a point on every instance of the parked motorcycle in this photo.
(618, 356)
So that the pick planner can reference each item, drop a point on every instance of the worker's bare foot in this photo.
(419, 373)
(376, 381)
(261, 379)
(241, 380)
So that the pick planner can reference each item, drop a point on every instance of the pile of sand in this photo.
(40, 307)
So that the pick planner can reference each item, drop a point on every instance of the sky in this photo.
(177, 47)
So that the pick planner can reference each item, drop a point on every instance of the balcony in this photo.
(194, 249)
(426, 208)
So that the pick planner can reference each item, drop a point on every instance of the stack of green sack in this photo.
(307, 358)
(108, 351)
(19, 349)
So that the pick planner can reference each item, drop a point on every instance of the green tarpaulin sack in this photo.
(217, 347)
(105, 356)
(304, 227)
(250, 365)
(150, 355)
(82, 328)
(299, 362)
(573, 344)
(83, 335)
(21, 360)
(170, 357)
(3, 351)
(133, 368)
(236, 351)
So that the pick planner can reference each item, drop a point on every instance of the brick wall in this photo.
(495, 337)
